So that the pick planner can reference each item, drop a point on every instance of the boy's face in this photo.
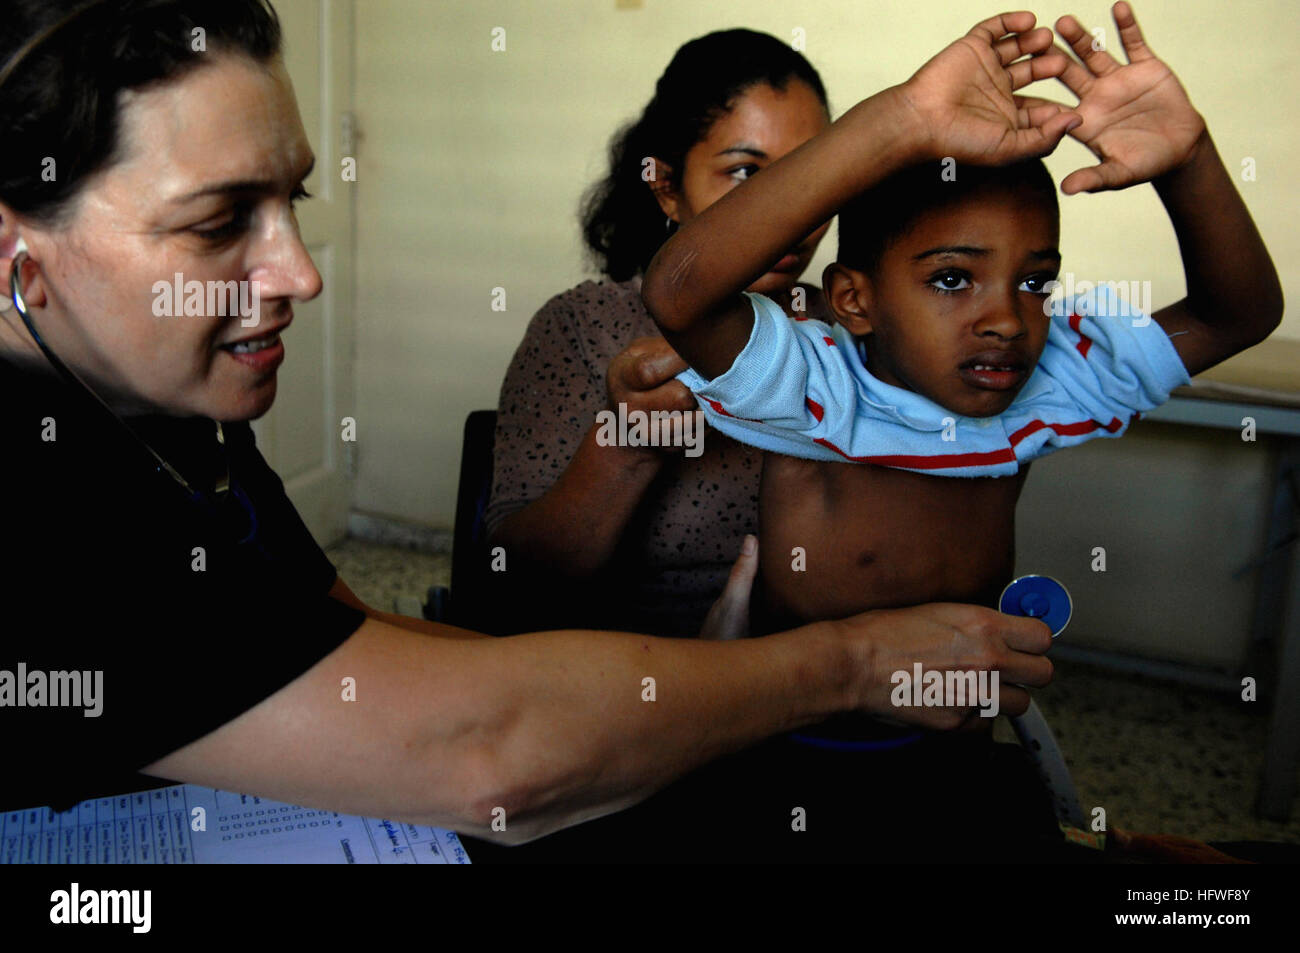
(955, 309)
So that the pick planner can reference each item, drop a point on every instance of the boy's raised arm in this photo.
(1234, 297)
(960, 104)
(1139, 122)
(692, 287)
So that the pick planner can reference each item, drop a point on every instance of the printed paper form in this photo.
(157, 827)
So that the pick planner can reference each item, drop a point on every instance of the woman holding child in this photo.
(652, 530)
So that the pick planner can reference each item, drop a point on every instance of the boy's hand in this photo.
(963, 99)
(1136, 118)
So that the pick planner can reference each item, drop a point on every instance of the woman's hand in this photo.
(963, 100)
(728, 618)
(573, 529)
(946, 637)
(1137, 118)
(641, 377)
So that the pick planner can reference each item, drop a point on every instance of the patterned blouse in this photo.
(678, 549)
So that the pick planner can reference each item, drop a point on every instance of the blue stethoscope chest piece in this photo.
(1039, 597)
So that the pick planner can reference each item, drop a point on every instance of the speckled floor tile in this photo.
(381, 574)
(1159, 757)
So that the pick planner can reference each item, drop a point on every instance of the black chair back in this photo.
(470, 559)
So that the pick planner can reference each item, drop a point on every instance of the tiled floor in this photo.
(1159, 757)
(379, 575)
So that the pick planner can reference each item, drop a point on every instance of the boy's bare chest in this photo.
(838, 538)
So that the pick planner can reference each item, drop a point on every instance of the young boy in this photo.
(946, 375)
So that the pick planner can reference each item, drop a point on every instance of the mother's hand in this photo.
(642, 377)
(573, 529)
(946, 637)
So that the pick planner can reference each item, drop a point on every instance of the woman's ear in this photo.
(850, 296)
(9, 236)
(11, 245)
(658, 176)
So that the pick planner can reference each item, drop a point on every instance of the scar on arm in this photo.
(681, 272)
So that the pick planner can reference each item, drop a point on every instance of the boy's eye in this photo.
(1037, 284)
(743, 172)
(947, 282)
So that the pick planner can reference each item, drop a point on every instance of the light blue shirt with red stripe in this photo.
(801, 387)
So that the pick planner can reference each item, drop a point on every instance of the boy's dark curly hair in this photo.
(885, 211)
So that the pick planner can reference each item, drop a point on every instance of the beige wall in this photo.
(472, 163)
(1177, 512)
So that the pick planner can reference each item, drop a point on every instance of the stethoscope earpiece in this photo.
(15, 296)
(16, 285)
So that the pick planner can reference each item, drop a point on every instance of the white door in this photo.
(301, 436)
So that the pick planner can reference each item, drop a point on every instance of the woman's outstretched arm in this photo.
(560, 727)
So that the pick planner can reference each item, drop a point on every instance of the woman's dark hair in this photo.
(64, 64)
(621, 221)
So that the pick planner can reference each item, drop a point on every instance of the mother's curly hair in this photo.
(622, 224)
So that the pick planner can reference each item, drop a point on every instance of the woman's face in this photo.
(211, 167)
(763, 125)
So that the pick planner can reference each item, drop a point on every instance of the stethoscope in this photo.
(223, 487)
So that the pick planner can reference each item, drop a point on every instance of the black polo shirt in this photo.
(192, 611)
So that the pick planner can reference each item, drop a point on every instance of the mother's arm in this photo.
(554, 729)
(575, 526)
(570, 524)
